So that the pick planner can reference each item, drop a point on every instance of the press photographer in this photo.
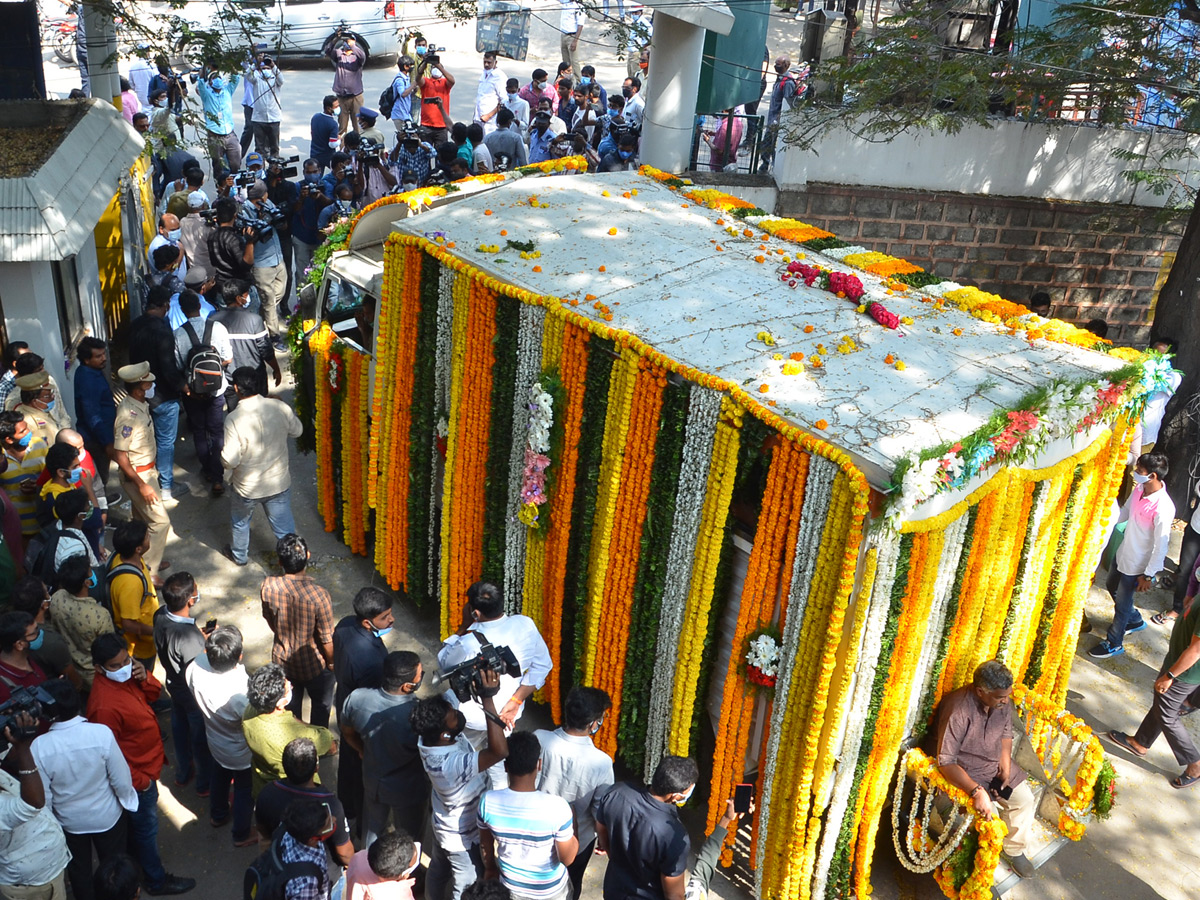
(266, 81)
(305, 235)
(484, 617)
(373, 177)
(263, 218)
(231, 244)
(285, 195)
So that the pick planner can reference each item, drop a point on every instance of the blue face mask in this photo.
(218, 84)
(36, 643)
(585, 80)
(92, 582)
(50, 406)
(312, 177)
(76, 474)
(382, 632)
(421, 51)
(24, 442)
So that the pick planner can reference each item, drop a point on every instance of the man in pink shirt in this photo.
(384, 870)
(1148, 514)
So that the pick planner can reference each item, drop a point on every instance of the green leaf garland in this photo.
(422, 445)
(500, 442)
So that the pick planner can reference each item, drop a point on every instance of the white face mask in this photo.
(686, 797)
(435, 73)
(150, 392)
(416, 860)
(1139, 478)
(122, 674)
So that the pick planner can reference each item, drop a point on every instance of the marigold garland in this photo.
(320, 344)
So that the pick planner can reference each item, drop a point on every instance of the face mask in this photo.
(512, 95)
(585, 80)
(218, 84)
(312, 177)
(174, 234)
(76, 474)
(122, 674)
(613, 111)
(421, 51)
(624, 155)
(150, 392)
(686, 797)
(416, 860)
(161, 103)
(435, 73)
(1139, 478)
(382, 632)
(50, 405)
(627, 92)
(92, 581)
(36, 643)
(541, 85)
(24, 442)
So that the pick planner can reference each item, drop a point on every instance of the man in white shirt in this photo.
(1148, 512)
(574, 769)
(570, 23)
(33, 851)
(256, 455)
(457, 776)
(205, 411)
(266, 79)
(490, 94)
(169, 233)
(88, 800)
(518, 105)
(635, 106)
(217, 680)
(483, 615)
(640, 31)
(141, 73)
(1156, 402)
(557, 125)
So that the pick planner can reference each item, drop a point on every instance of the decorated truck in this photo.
(774, 493)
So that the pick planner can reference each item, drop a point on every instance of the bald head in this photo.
(782, 64)
(168, 222)
(69, 436)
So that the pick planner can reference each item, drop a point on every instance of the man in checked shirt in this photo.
(300, 614)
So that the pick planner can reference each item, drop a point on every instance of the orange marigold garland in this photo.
(320, 344)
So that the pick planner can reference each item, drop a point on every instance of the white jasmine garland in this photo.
(913, 855)
(864, 679)
(818, 494)
(441, 409)
(952, 546)
(704, 410)
(941, 289)
(529, 365)
(1030, 573)
(843, 252)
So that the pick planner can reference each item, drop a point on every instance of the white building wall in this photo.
(31, 314)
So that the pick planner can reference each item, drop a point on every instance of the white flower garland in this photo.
(843, 252)
(941, 289)
(1031, 578)
(818, 494)
(952, 547)
(540, 420)
(441, 408)
(924, 859)
(864, 680)
(529, 366)
(704, 410)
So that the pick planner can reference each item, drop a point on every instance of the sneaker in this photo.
(180, 488)
(227, 552)
(1020, 864)
(1104, 650)
(172, 884)
(1133, 629)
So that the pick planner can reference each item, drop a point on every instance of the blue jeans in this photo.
(143, 836)
(456, 869)
(1125, 616)
(243, 798)
(166, 429)
(191, 743)
(278, 508)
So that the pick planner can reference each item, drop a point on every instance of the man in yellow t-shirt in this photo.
(134, 601)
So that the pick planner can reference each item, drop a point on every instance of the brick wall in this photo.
(1095, 260)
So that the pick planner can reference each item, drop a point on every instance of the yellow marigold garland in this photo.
(320, 343)
(880, 264)
(458, 362)
(354, 450)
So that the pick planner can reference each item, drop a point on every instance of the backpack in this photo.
(267, 877)
(103, 590)
(203, 367)
(43, 547)
(388, 99)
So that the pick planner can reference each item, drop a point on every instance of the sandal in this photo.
(1184, 780)
(1121, 739)
(1163, 618)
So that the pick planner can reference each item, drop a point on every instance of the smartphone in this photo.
(210, 626)
(743, 796)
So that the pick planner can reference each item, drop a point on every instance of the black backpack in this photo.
(203, 367)
(103, 590)
(43, 547)
(388, 99)
(268, 876)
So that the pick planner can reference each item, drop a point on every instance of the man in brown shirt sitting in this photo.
(300, 614)
(974, 753)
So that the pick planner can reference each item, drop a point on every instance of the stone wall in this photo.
(1095, 260)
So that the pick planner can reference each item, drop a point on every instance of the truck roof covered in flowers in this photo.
(835, 346)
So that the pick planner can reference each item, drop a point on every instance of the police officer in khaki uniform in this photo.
(133, 450)
(38, 405)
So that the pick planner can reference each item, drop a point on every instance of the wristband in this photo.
(24, 772)
(1169, 675)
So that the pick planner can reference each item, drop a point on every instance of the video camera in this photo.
(283, 165)
(36, 701)
(465, 678)
(246, 177)
(262, 222)
(369, 151)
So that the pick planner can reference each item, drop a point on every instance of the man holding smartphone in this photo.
(435, 84)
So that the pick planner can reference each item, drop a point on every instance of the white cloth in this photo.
(457, 785)
(635, 109)
(83, 802)
(1156, 405)
(221, 697)
(160, 240)
(1147, 533)
(266, 85)
(256, 446)
(489, 94)
(520, 635)
(578, 771)
(33, 850)
(176, 318)
(483, 159)
(141, 73)
(73, 544)
(520, 111)
(570, 17)
(220, 342)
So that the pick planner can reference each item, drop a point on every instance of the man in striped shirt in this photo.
(25, 456)
(527, 836)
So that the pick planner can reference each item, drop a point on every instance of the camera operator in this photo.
(413, 158)
(348, 61)
(483, 614)
(373, 176)
(216, 94)
(306, 236)
(266, 80)
(33, 850)
(286, 197)
(230, 244)
(270, 273)
(436, 84)
(168, 80)
(19, 634)
(457, 774)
